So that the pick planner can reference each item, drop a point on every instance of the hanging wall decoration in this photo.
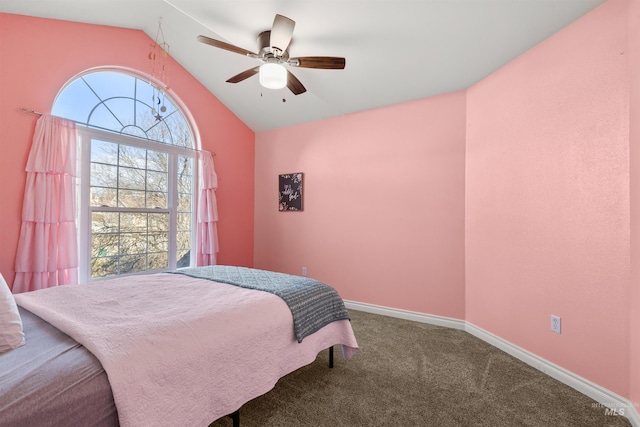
(290, 192)
(159, 56)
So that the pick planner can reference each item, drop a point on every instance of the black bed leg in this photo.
(235, 417)
(331, 357)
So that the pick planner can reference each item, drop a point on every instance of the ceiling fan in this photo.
(273, 51)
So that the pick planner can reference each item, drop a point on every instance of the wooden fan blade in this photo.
(323, 62)
(225, 46)
(281, 32)
(244, 75)
(294, 84)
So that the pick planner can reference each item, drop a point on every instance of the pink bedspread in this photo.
(179, 350)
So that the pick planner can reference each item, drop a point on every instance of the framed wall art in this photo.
(290, 192)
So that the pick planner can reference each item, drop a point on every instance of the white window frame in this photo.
(85, 135)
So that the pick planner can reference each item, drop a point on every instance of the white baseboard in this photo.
(406, 315)
(634, 416)
(604, 397)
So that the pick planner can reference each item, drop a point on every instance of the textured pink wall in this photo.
(38, 56)
(547, 187)
(547, 199)
(383, 218)
(634, 143)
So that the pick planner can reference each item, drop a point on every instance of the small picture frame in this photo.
(290, 192)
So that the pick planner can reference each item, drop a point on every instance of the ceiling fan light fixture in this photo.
(273, 76)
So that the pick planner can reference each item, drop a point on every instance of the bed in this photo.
(180, 348)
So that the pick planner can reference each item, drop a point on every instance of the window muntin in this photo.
(127, 176)
(185, 211)
(137, 176)
(128, 242)
(124, 104)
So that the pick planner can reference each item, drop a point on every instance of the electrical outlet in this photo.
(304, 271)
(555, 324)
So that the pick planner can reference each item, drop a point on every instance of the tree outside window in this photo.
(137, 181)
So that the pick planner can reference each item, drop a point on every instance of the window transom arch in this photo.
(124, 103)
(137, 175)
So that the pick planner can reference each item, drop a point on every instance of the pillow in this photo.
(11, 335)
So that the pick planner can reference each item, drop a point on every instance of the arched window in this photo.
(136, 187)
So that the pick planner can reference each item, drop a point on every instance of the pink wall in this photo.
(634, 143)
(547, 199)
(549, 217)
(38, 56)
(383, 218)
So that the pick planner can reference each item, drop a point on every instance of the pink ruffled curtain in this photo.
(47, 249)
(207, 233)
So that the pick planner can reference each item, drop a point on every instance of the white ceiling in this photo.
(396, 50)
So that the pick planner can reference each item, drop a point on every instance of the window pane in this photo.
(133, 243)
(157, 161)
(157, 200)
(184, 184)
(103, 118)
(185, 165)
(160, 132)
(184, 202)
(183, 258)
(133, 157)
(104, 152)
(156, 181)
(183, 239)
(133, 222)
(129, 178)
(181, 132)
(121, 108)
(158, 222)
(103, 196)
(129, 242)
(184, 221)
(133, 263)
(158, 242)
(104, 245)
(185, 169)
(104, 175)
(146, 94)
(101, 267)
(75, 102)
(131, 199)
(108, 84)
(158, 261)
(105, 222)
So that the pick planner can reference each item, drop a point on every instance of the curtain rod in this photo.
(39, 113)
(30, 111)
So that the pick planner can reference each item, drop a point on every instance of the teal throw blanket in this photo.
(313, 304)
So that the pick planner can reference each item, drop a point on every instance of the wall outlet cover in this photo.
(556, 324)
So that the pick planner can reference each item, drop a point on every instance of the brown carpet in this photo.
(414, 374)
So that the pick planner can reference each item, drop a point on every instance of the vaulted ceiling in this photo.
(395, 50)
